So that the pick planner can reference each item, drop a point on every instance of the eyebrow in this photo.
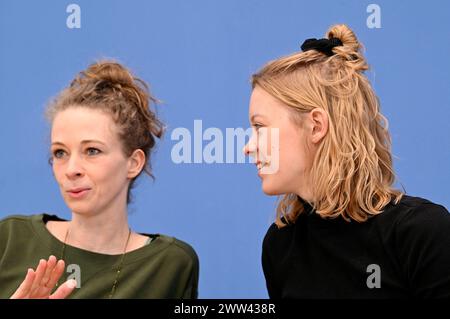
(256, 115)
(82, 142)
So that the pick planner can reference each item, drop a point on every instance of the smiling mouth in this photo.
(261, 165)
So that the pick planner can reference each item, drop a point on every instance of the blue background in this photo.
(198, 57)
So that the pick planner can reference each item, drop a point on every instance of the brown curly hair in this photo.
(109, 86)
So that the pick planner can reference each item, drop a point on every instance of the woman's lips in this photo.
(78, 192)
(261, 166)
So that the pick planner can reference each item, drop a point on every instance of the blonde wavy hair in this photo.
(352, 173)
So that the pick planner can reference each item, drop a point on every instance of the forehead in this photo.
(81, 123)
(264, 104)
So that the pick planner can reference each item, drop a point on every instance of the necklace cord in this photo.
(116, 280)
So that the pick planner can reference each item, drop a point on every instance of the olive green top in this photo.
(165, 268)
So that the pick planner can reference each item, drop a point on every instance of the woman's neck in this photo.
(104, 233)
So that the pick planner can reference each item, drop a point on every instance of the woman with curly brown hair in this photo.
(342, 230)
(102, 135)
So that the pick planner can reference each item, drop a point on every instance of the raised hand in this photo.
(39, 283)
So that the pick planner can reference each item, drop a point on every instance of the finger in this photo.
(25, 286)
(40, 271)
(51, 263)
(44, 289)
(64, 290)
(56, 273)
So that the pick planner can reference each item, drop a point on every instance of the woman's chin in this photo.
(79, 209)
(270, 189)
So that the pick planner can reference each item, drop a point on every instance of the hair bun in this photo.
(350, 50)
(106, 72)
(345, 34)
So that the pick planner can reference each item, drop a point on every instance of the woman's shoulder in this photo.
(413, 209)
(14, 228)
(415, 201)
(24, 224)
(277, 237)
(408, 213)
(178, 249)
(17, 220)
(414, 220)
(417, 230)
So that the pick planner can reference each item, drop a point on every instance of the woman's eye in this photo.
(257, 126)
(58, 153)
(93, 151)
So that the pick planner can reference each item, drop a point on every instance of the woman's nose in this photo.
(74, 168)
(250, 148)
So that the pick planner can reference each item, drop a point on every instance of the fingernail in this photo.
(72, 283)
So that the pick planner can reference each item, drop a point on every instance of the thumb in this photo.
(64, 290)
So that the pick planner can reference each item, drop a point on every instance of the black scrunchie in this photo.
(321, 45)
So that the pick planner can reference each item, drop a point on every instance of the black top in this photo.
(402, 252)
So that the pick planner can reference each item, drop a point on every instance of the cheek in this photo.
(267, 142)
(292, 153)
(110, 174)
(290, 173)
(58, 173)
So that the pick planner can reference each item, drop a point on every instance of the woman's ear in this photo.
(136, 163)
(319, 124)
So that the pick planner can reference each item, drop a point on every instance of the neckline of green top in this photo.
(159, 243)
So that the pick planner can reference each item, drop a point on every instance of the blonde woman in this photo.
(103, 132)
(341, 229)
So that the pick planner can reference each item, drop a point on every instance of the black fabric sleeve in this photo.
(423, 245)
(268, 263)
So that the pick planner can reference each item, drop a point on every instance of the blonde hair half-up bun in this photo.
(351, 48)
